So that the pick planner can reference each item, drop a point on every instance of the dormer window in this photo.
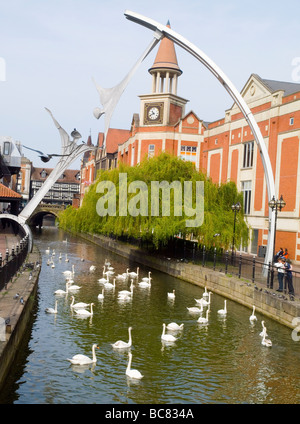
(43, 174)
(6, 148)
(77, 176)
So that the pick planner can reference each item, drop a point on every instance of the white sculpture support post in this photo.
(230, 88)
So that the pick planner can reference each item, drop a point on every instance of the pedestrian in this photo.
(285, 254)
(280, 274)
(289, 278)
(278, 254)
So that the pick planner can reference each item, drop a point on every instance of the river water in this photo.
(222, 362)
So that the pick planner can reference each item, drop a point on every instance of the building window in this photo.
(6, 148)
(43, 174)
(151, 149)
(132, 155)
(246, 190)
(291, 121)
(248, 154)
(189, 153)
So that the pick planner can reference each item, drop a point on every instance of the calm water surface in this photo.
(222, 362)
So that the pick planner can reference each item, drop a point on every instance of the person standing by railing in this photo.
(289, 278)
(281, 272)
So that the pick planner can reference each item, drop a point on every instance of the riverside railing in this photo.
(11, 263)
(244, 266)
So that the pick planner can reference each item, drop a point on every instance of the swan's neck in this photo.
(94, 353)
(91, 308)
(129, 331)
(164, 329)
(129, 363)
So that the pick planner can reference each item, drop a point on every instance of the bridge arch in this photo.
(43, 209)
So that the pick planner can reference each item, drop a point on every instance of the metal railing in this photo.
(11, 263)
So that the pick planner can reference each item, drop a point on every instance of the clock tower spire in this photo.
(163, 106)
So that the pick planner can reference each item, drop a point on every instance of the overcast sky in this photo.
(51, 50)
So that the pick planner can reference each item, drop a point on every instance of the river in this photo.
(222, 362)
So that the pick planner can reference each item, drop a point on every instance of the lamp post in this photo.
(276, 204)
(235, 208)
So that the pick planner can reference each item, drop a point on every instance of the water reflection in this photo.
(220, 362)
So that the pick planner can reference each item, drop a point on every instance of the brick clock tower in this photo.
(163, 106)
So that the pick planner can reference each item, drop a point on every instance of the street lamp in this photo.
(276, 204)
(235, 208)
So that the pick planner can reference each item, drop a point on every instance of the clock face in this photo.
(153, 113)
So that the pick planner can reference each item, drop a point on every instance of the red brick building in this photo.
(225, 149)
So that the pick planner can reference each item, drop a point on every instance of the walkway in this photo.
(8, 240)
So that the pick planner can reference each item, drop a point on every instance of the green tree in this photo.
(218, 215)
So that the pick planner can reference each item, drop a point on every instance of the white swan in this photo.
(223, 312)
(67, 259)
(121, 277)
(101, 295)
(53, 252)
(264, 330)
(195, 310)
(205, 302)
(174, 326)
(79, 305)
(53, 265)
(103, 280)
(134, 274)
(203, 320)
(73, 286)
(266, 342)
(126, 274)
(109, 285)
(60, 257)
(62, 291)
(252, 317)
(171, 295)
(132, 373)
(205, 294)
(147, 278)
(167, 337)
(127, 292)
(84, 312)
(51, 310)
(69, 274)
(92, 268)
(47, 251)
(84, 360)
(123, 345)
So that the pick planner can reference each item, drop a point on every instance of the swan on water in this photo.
(252, 317)
(103, 280)
(264, 330)
(132, 373)
(203, 320)
(223, 311)
(84, 312)
(79, 305)
(205, 294)
(123, 345)
(204, 302)
(69, 274)
(63, 291)
(67, 259)
(195, 310)
(121, 277)
(134, 274)
(51, 310)
(171, 295)
(145, 283)
(83, 359)
(126, 292)
(167, 337)
(147, 278)
(174, 326)
(47, 251)
(265, 342)
(60, 257)
(92, 268)
(53, 265)
(73, 286)
(109, 285)
(101, 295)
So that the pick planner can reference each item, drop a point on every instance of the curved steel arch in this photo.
(230, 88)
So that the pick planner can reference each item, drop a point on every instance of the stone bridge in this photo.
(42, 210)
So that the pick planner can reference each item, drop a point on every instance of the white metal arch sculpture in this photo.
(230, 88)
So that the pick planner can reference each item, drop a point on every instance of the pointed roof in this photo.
(166, 56)
(8, 193)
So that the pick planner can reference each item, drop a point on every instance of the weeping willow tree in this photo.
(150, 201)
